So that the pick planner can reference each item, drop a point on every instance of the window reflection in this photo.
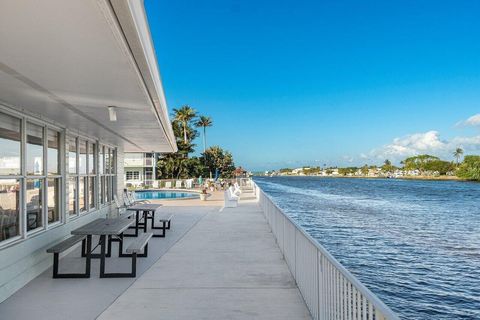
(72, 198)
(34, 203)
(100, 160)
(91, 158)
(9, 145)
(82, 157)
(34, 156)
(72, 155)
(9, 208)
(91, 192)
(53, 152)
(53, 200)
(81, 194)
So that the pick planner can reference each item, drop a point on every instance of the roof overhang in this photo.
(68, 61)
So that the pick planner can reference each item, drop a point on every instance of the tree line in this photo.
(424, 165)
(180, 165)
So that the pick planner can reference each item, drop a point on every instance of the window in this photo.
(73, 177)
(82, 180)
(34, 204)
(9, 145)
(148, 174)
(133, 175)
(34, 149)
(54, 178)
(108, 175)
(35, 158)
(9, 208)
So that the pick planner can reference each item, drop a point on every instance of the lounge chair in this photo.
(131, 196)
(168, 185)
(231, 200)
(236, 189)
(178, 184)
(189, 183)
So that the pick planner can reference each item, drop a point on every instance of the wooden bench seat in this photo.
(65, 245)
(163, 217)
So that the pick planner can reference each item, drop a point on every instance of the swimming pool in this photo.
(165, 195)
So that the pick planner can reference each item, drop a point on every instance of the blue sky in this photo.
(292, 83)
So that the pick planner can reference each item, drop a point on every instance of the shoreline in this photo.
(424, 178)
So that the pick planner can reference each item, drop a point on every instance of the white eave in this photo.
(68, 61)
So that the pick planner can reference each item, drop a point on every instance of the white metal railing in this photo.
(328, 288)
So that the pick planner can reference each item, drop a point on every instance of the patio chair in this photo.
(131, 196)
(168, 185)
(189, 183)
(178, 184)
(231, 200)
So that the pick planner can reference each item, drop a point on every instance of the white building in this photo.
(67, 70)
(140, 168)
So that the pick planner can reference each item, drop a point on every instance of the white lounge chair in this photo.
(236, 189)
(155, 184)
(178, 184)
(168, 185)
(189, 183)
(231, 200)
(131, 196)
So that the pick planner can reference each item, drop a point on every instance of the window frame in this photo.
(61, 178)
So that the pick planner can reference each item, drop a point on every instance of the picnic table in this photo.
(147, 208)
(103, 228)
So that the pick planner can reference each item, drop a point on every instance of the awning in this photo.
(70, 60)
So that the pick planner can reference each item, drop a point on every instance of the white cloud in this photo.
(473, 121)
(421, 143)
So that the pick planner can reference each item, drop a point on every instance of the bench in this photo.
(61, 247)
(165, 219)
(134, 250)
(136, 247)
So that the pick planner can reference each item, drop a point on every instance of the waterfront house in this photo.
(140, 168)
(79, 87)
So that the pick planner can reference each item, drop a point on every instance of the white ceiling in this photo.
(68, 60)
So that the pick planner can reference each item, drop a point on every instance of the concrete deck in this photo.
(212, 265)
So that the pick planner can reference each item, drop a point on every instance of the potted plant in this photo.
(204, 194)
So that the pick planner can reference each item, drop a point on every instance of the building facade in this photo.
(79, 87)
(140, 168)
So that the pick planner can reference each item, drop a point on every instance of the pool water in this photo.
(165, 195)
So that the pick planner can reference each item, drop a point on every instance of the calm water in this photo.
(416, 244)
(165, 195)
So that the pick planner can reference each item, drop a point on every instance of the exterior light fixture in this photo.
(112, 112)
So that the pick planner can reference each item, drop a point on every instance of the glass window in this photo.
(91, 158)
(34, 157)
(81, 194)
(9, 208)
(102, 190)
(9, 145)
(82, 157)
(112, 161)
(53, 200)
(34, 203)
(72, 155)
(107, 189)
(53, 152)
(107, 160)
(91, 192)
(100, 160)
(72, 196)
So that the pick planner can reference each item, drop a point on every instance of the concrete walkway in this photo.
(226, 267)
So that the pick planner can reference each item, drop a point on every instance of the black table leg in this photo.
(88, 262)
(102, 256)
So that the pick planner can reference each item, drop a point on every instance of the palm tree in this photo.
(184, 115)
(204, 122)
(457, 154)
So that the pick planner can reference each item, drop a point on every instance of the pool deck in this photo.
(214, 264)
